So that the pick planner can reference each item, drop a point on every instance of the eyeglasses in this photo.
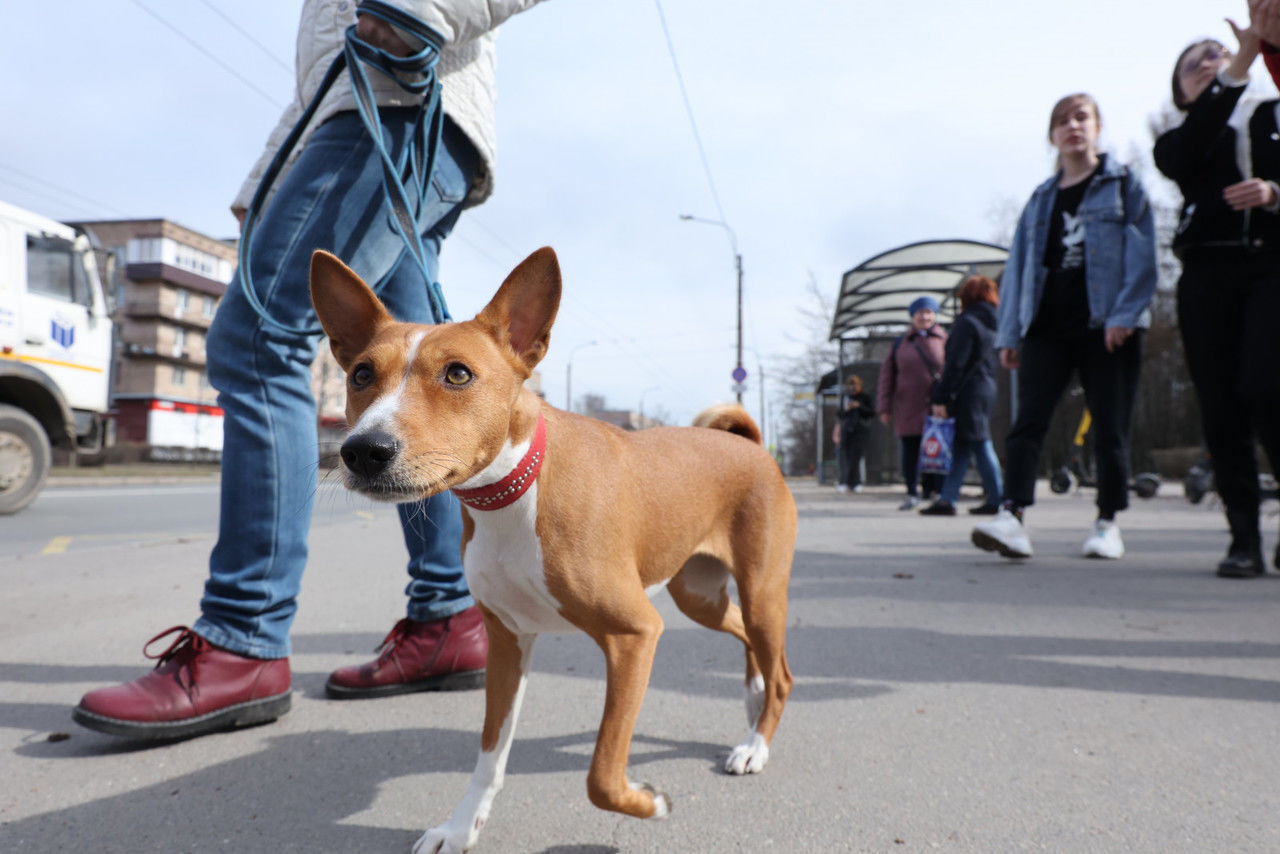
(1211, 52)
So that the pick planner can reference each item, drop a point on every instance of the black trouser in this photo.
(1228, 308)
(1110, 383)
(909, 452)
(849, 458)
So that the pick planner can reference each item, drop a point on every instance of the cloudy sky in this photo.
(833, 130)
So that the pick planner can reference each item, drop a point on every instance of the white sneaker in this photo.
(909, 503)
(1003, 533)
(857, 487)
(1105, 541)
(842, 487)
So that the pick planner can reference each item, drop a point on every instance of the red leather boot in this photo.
(441, 655)
(196, 688)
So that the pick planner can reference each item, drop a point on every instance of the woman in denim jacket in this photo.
(1074, 297)
(1225, 157)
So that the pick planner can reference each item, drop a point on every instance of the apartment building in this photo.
(168, 284)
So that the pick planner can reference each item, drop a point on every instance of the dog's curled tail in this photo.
(732, 418)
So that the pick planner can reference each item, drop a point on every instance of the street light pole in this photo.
(568, 376)
(737, 258)
(642, 394)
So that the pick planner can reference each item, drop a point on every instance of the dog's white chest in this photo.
(503, 563)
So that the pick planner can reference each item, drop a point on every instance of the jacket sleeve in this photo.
(868, 409)
(461, 21)
(281, 132)
(1008, 325)
(1182, 151)
(1140, 271)
(959, 353)
(884, 385)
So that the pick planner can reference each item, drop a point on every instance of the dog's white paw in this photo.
(749, 757)
(442, 840)
(661, 800)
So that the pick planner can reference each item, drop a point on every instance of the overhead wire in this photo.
(210, 55)
(57, 188)
(249, 36)
(688, 108)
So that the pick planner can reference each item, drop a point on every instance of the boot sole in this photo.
(988, 543)
(1241, 572)
(250, 713)
(463, 681)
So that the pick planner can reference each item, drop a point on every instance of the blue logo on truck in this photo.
(62, 332)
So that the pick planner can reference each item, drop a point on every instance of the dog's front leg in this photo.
(506, 673)
(629, 659)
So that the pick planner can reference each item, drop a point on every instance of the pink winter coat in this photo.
(906, 381)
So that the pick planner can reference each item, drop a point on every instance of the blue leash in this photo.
(416, 74)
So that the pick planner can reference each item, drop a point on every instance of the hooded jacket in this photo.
(467, 70)
(968, 384)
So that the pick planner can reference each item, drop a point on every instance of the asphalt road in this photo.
(945, 700)
(85, 514)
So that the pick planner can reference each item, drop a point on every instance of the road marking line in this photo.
(56, 546)
(365, 514)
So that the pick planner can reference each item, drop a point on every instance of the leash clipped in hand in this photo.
(416, 74)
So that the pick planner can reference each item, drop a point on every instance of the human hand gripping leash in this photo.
(415, 74)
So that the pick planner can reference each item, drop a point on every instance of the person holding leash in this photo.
(231, 667)
(1074, 299)
(1224, 156)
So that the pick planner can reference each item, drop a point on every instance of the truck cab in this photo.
(55, 351)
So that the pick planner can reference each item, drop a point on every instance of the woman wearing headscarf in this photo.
(906, 380)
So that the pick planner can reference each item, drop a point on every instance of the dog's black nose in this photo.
(369, 454)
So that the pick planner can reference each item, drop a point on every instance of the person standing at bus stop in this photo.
(231, 667)
(906, 380)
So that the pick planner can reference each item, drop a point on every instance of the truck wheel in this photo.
(25, 458)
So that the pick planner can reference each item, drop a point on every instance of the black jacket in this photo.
(968, 384)
(1200, 155)
(853, 422)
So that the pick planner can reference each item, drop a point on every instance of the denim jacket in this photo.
(1120, 264)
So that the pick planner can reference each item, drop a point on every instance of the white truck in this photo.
(55, 351)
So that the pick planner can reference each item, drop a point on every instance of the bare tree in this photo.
(797, 376)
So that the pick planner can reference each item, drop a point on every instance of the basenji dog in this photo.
(568, 523)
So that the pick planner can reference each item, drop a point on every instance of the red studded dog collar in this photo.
(506, 491)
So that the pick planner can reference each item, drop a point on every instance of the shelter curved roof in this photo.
(876, 293)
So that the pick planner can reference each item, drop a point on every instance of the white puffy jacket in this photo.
(467, 75)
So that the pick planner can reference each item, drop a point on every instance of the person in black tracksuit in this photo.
(850, 434)
(1225, 158)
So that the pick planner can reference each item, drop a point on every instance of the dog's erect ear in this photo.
(349, 312)
(522, 311)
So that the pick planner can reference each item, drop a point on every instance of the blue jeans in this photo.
(984, 455)
(331, 199)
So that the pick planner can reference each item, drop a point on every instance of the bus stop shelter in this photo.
(871, 311)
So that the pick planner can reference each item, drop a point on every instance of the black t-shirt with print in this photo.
(1064, 305)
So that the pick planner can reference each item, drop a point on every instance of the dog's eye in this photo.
(362, 376)
(457, 374)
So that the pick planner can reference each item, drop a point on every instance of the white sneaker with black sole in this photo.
(1003, 533)
(1104, 541)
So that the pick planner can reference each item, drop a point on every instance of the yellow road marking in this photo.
(59, 364)
(56, 546)
(365, 514)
